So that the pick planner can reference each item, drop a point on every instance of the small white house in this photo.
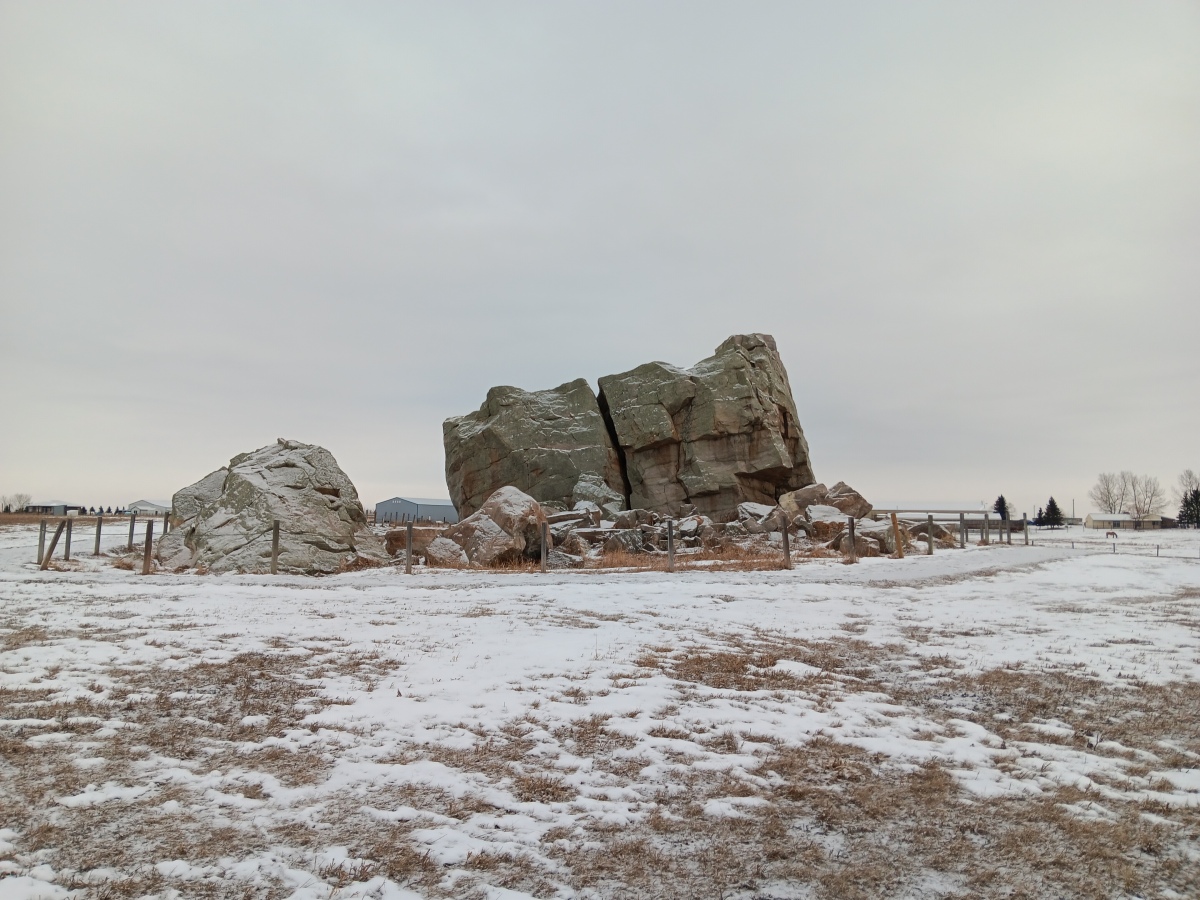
(415, 509)
(1114, 521)
(52, 508)
(146, 508)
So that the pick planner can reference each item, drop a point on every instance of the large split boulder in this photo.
(718, 434)
(541, 442)
(505, 528)
(223, 523)
(662, 438)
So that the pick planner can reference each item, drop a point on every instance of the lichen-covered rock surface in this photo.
(223, 523)
(658, 437)
(541, 442)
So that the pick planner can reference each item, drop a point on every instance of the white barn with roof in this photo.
(1113, 521)
(415, 509)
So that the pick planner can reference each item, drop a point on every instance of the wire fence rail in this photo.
(1134, 548)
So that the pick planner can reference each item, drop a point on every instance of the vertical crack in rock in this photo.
(602, 401)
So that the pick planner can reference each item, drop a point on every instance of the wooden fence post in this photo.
(787, 546)
(408, 550)
(146, 556)
(670, 545)
(987, 529)
(1007, 531)
(132, 520)
(929, 534)
(896, 537)
(53, 543)
(1025, 527)
(275, 547)
(67, 540)
(99, 525)
(853, 549)
(962, 531)
(41, 541)
(545, 541)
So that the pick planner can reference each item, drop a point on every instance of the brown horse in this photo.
(1110, 534)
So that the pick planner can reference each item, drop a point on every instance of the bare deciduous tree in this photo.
(1188, 481)
(15, 502)
(1110, 492)
(1147, 496)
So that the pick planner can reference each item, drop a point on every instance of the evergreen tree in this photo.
(1189, 509)
(1000, 507)
(1037, 520)
(1053, 516)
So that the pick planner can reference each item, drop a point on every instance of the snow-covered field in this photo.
(1003, 721)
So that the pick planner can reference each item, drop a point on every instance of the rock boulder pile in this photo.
(223, 522)
(507, 528)
(658, 437)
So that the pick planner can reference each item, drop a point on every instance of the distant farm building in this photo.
(146, 508)
(52, 508)
(1114, 521)
(415, 509)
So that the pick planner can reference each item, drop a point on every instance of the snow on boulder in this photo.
(223, 523)
(442, 551)
(822, 513)
(755, 511)
(506, 527)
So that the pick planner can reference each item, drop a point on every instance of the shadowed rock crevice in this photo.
(609, 427)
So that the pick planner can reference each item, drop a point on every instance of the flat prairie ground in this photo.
(990, 722)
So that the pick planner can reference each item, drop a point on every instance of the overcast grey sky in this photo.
(973, 228)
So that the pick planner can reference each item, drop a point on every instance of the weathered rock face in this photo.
(186, 503)
(541, 442)
(506, 527)
(670, 440)
(716, 435)
(224, 521)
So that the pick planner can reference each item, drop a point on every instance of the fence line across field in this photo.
(66, 527)
(982, 523)
(1113, 547)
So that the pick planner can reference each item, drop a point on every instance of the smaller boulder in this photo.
(442, 551)
(507, 526)
(625, 540)
(574, 544)
(863, 545)
(848, 500)
(921, 529)
(557, 559)
(794, 503)
(595, 490)
(753, 511)
(396, 540)
(882, 532)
